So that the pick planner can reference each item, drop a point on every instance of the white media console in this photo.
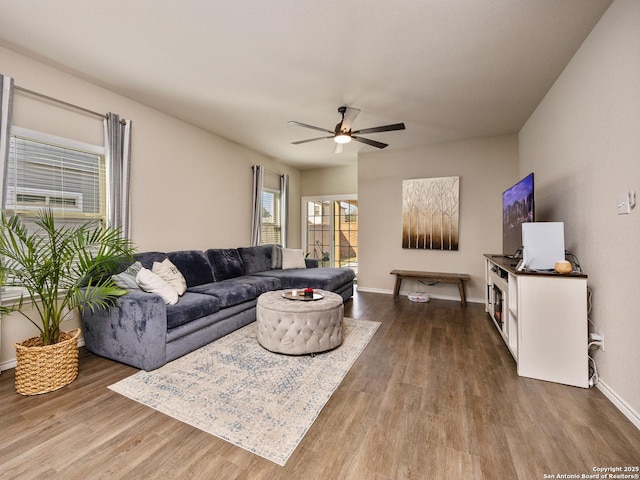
(542, 318)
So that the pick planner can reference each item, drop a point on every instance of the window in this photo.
(271, 219)
(67, 176)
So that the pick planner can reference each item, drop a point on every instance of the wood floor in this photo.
(435, 395)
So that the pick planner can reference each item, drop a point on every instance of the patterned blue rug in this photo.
(238, 391)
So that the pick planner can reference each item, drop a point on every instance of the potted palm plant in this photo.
(57, 269)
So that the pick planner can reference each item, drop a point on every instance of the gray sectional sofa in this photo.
(223, 286)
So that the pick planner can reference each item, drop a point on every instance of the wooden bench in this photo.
(434, 277)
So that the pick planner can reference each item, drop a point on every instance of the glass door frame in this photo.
(304, 217)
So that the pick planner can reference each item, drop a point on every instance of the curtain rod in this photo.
(62, 102)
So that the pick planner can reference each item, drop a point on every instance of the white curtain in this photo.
(6, 107)
(256, 217)
(284, 207)
(117, 134)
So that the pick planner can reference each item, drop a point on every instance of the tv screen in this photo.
(517, 208)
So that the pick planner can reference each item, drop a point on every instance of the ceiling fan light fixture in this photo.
(342, 133)
(342, 138)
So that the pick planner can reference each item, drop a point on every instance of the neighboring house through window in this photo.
(45, 171)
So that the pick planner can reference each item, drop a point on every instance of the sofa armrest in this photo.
(311, 262)
(133, 332)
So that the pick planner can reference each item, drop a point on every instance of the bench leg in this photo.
(463, 299)
(396, 289)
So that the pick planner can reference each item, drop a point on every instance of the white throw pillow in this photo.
(292, 258)
(170, 274)
(152, 283)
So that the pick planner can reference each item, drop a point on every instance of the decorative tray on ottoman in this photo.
(300, 296)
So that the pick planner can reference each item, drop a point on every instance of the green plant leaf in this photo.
(53, 264)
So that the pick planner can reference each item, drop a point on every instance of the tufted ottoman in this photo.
(296, 327)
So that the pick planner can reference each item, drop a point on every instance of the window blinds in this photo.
(43, 175)
(271, 220)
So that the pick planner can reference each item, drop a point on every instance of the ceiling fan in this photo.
(342, 133)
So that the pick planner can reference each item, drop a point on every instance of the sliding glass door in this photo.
(330, 230)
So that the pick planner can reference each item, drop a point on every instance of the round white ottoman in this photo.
(296, 327)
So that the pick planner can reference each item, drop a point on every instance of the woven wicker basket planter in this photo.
(43, 369)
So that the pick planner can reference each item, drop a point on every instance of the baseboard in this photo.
(11, 363)
(437, 296)
(8, 365)
(621, 405)
(374, 290)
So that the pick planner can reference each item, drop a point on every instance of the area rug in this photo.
(240, 392)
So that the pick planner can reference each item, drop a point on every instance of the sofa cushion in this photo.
(147, 258)
(229, 292)
(225, 263)
(260, 283)
(311, 262)
(191, 306)
(325, 278)
(193, 265)
(276, 257)
(256, 259)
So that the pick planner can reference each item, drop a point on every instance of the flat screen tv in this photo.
(517, 208)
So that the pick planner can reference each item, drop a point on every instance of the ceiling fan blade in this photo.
(373, 143)
(385, 128)
(338, 148)
(299, 124)
(350, 115)
(310, 140)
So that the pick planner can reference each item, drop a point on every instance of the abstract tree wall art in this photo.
(430, 212)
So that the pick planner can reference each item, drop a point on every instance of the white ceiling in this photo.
(448, 69)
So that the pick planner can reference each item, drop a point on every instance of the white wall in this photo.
(190, 189)
(329, 181)
(485, 166)
(583, 143)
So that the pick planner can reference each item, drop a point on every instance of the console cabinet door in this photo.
(552, 329)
